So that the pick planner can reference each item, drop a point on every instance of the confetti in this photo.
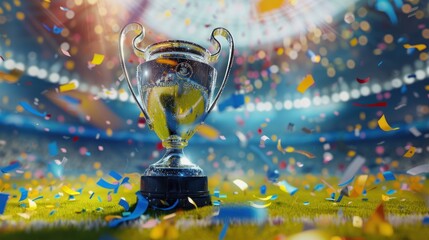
(358, 186)
(415, 132)
(140, 208)
(32, 110)
(377, 104)
(382, 123)
(424, 168)
(235, 101)
(241, 184)
(410, 153)
(53, 148)
(69, 191)
(307, 82)
(386, 7)
(351, 170)
(65, 52)
(419, 47)
(24, 194)
(115, 175)
(207, 131)
(97, 59)
(192, 202)
(11, 167)
(102, 183)
(256, 205)
(57, 30)
(3, 200)
(286, 187)
(123, 203)
(270, 197)
(223, 231)
(388, 176)
(68, 87)
(362, 80)
(31, 205)
(377, 223)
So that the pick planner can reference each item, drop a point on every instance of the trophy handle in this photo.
(140, 31)
(214, 57)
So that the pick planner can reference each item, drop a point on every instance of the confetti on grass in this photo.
(256, 205)
(69, 191)
(141, 207)
(351, 170)
(241, 184)
(286, 187)
(3, 200)
(388, 176)
(123, 203)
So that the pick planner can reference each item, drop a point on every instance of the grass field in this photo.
(306, 212)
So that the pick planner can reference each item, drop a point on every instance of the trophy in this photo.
(176, 86)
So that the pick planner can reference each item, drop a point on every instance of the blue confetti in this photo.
(289, 188)
(319, 187)
(340, 198)
(24, 194)
(263, 189)
(57, 30)
(346, 182)
(125, 180)
(387, 8)
(37, 198)
(32, 110)
(224, 230)
(70, 99)
(391, 192)
(102, 183)
(388, 176)
(53, 148)
(11, 167)
(425, 220)
(52, 212)
(141, 207)
(99, 199)
(306, 203)
(379, 63)
(115, 175)
(3, 200)
(235, 101)
(124, 204)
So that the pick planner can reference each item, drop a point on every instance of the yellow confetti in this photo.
(279, 146)
(419, 47)
(207, 131)
(289, 149)
(382, 123)
(265, 6)
(357, 222)
(68, 87)
(24, 215)
(264, 198)
(191, 201)
(385, 197)
(255, 205)
(97, 59)
(377, 223)
(358, 186)
(307, 82)
(241, 184)
(69, 191)
(32, 205)
(410, 152)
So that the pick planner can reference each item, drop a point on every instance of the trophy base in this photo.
(159, 190)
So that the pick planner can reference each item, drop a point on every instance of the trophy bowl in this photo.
(176, 91)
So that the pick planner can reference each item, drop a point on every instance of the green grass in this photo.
(320, 214)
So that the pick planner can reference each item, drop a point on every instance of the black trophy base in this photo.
(164, 191)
